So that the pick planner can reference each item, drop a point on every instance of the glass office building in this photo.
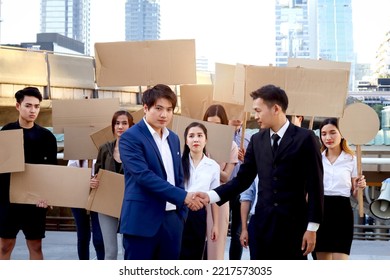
(142, 20)
(70, 18)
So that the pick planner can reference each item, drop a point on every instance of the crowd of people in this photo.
(285, 191)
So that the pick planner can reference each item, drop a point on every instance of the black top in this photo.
(40, 147)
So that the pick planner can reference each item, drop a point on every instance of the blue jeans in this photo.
(235, 249)
(84, 223)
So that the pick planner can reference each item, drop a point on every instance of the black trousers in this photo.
(194, 235)
(235, 249)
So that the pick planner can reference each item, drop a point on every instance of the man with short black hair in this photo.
(40, 147)
(154, 204)
(288, 163)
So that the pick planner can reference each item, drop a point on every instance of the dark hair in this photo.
(298, 116)
(216, 110)
(150, 96)
(28, 91)
(120, 113)
(186, 151)
(272, 95)
(343, 144)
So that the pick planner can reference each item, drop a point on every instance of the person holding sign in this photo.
(154, 203)
(288, 163)
(334, 237)
(200, 174)
(87, 222)
(109, 159)
(40, 147)
(216, 250)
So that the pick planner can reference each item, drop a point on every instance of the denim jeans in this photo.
(235, 249)
(84, 223)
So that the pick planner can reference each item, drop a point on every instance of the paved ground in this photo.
(62, 246)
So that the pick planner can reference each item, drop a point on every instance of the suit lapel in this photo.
(175, 153)
(144, 129)
(286, 141)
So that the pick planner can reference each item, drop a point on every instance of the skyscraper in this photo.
(316, 29)
(292, 34)
(70, 18)
(142, 20)
(335, 32)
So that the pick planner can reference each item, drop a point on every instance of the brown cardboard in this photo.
(59, 185)
(311, 92)
(225, 79)
(195, 99)
(83, 112)
(71, 71)
(219, 140)
(23, 67)
(145, 63)
(108, 197)
(359, 124)
(11, 151)
(318, 63)
(138, 115)
(78, 143)
(102, 136)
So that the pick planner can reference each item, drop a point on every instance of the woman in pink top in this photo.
(216, 250)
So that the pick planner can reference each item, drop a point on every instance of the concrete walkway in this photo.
(62, 246)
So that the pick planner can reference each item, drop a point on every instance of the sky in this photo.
(224, 31)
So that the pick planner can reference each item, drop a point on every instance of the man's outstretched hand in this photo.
(196, 201)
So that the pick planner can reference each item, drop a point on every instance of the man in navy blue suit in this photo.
(155, 203)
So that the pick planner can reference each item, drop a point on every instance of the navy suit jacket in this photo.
(286, 178)
(146, 187)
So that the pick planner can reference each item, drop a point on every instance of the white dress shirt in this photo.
(166, 155)
(337, 176)
(203, 177)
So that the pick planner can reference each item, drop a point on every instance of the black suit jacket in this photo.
(290, 190)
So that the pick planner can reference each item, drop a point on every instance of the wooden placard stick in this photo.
(311, 123)
(360, 173)
(243, 128)
(359, 124)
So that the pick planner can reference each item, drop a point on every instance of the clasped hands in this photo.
(196, 201)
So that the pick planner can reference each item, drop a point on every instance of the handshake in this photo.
(196, 200)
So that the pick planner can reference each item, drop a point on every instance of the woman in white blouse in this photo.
(334, 236)
(201, 174)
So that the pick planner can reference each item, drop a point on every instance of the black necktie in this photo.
(275, 145)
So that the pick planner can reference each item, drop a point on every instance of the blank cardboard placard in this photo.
(108, 197)
(61, 186)
(23, 67)
(145, 63)
(11, 151)
(71, 71)
(359, 124)
(102, 136)
(138, 115)
(311, 92)
(78, 143)
(318, 63)
(219, 137)
(195, 100)
(83, 112)
(224, 85)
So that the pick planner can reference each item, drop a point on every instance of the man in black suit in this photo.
(290, 190)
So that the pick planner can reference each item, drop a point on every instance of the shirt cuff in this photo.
(214, 197)
(313, 226)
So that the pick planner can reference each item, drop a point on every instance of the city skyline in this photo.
(230, 36)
